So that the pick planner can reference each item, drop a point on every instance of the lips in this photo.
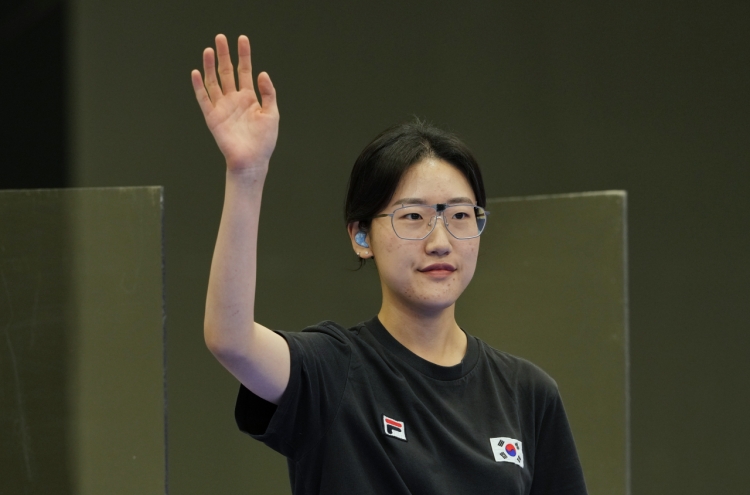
(442, 267)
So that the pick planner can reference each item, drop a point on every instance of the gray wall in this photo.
(650, 97)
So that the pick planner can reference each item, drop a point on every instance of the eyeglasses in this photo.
(416, 222)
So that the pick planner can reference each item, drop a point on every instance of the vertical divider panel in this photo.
(551, 287)
(82, 396)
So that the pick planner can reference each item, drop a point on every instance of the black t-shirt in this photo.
(364, 415)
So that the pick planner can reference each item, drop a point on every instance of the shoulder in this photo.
(324, 330)
(331, 328)
(522, 375)
(326, 335)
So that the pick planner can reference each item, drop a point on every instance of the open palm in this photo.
(244, 127)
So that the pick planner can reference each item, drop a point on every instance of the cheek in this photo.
(470, 262)
(390, 255)
(394, 259)
(387, 248)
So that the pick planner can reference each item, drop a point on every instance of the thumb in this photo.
(267, 93)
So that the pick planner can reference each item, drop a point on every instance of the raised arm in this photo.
(245, 129)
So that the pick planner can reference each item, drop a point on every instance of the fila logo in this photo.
(394, 428)
(507, 450)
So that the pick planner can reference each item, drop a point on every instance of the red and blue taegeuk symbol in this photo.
(510, 449)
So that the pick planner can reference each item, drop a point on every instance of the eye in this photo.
(412, 216)
(463, 215)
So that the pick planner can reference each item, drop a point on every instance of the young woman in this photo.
(407, 402)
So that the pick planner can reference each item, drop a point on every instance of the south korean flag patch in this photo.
(507, 450)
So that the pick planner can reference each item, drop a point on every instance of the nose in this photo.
(438, 242)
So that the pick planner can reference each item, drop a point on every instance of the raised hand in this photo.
(244, 127)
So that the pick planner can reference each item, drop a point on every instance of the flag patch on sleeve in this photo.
(394, 428)
(507, 449)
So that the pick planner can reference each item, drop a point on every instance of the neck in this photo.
(433, 336)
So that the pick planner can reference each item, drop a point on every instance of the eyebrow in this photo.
(420, 201)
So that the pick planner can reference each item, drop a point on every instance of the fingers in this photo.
(244, 67)
(209, 74)
(200, 92)
(226, 71)
(208, 91)
(267, 93)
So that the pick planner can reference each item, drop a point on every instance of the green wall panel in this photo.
(82, 405)
(551, 287)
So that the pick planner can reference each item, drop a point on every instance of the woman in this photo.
(406, 402)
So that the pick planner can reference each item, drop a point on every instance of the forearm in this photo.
(230, 301)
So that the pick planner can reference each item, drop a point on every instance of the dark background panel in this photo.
(34, 137)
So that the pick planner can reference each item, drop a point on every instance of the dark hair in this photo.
(379, 168)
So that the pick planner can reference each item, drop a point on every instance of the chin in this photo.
(428, 297)
(434, 303)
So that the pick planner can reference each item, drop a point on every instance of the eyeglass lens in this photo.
(416, 222)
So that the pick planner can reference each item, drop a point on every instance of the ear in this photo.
(361, 251)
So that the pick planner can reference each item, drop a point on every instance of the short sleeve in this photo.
(320, 358)
(557, 468)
